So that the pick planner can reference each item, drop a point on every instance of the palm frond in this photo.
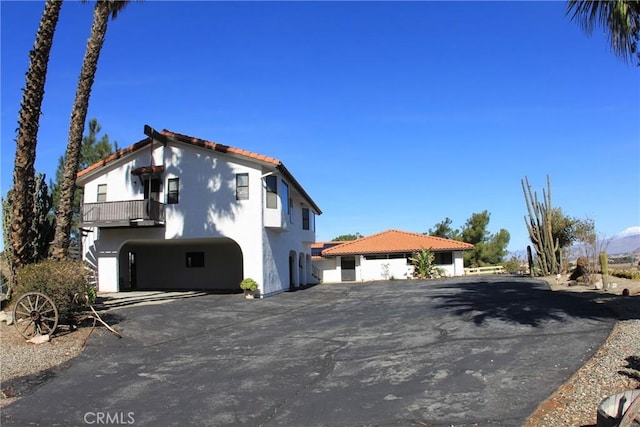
(619, 18)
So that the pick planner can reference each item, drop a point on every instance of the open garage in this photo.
(185, 264)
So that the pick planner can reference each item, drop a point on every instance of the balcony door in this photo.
(152, 188)
(152, 193)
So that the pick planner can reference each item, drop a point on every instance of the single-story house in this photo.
(384, 256)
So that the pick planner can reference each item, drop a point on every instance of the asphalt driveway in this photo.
(473, 351)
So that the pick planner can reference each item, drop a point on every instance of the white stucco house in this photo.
(384, 256)
(174, 212)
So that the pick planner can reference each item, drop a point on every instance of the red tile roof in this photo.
(130, 149)
(220, 147)
(271, 161)
(396, 241)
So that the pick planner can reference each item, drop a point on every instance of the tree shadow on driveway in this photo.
(529, 302)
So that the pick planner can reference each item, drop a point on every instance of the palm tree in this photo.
(64, 214)
(620, 18)
(28, 123)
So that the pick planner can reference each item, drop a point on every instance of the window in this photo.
(195, 259)
(290, 209)
(286, 199)
(388, 256)
(102, 192)
(173, 188)
(396, 256)
(242, 186)
(272, 191)
(305, 218)
(443, 258)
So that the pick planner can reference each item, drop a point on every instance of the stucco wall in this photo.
(289, 240)
(381, 269)
(458, 264)
(384, 269)
(329, 269)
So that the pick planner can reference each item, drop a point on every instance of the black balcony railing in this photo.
(129, 212)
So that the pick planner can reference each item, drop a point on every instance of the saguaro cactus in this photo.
(540, 229)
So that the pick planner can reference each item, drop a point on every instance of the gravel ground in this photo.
(24, 366)
(614, 368)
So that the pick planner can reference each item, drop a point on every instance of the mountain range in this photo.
(628, 241)
(625, 242)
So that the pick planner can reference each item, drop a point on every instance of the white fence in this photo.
(496, 269)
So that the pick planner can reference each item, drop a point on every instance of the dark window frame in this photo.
(441, 258)
(173, 196)
(306, 218)
(102, 196)
(194, 259)
(271, 184)
(242, 189)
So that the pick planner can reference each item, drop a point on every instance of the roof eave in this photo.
(85, 175)
(331, 253)
(281, 167)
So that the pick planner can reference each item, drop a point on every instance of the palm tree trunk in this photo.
(64, 213)
(28, 123)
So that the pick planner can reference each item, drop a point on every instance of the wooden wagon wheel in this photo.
(632, 415)
(35, 314)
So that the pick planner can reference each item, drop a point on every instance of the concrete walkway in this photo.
(473, 351)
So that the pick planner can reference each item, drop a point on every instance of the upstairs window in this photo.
(306, 219)
(271, 182)
(102, 193)
(290, 209)
(242, 186)
(173, 191)
(286, 199)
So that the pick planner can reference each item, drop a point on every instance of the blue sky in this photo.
(390, 114)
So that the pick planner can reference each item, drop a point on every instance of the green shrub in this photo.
(59, 280)
(626, 274)
(512, 265)
(249, 285)
(424, 265)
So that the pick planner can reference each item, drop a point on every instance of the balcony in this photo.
(274, 219)
(308, 236)
(129, 213)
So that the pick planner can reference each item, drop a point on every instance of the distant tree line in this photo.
(488, 248)
(347, 237)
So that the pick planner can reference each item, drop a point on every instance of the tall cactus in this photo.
(41, 226)
(539, 226)
(7, 218)
(604, 268)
